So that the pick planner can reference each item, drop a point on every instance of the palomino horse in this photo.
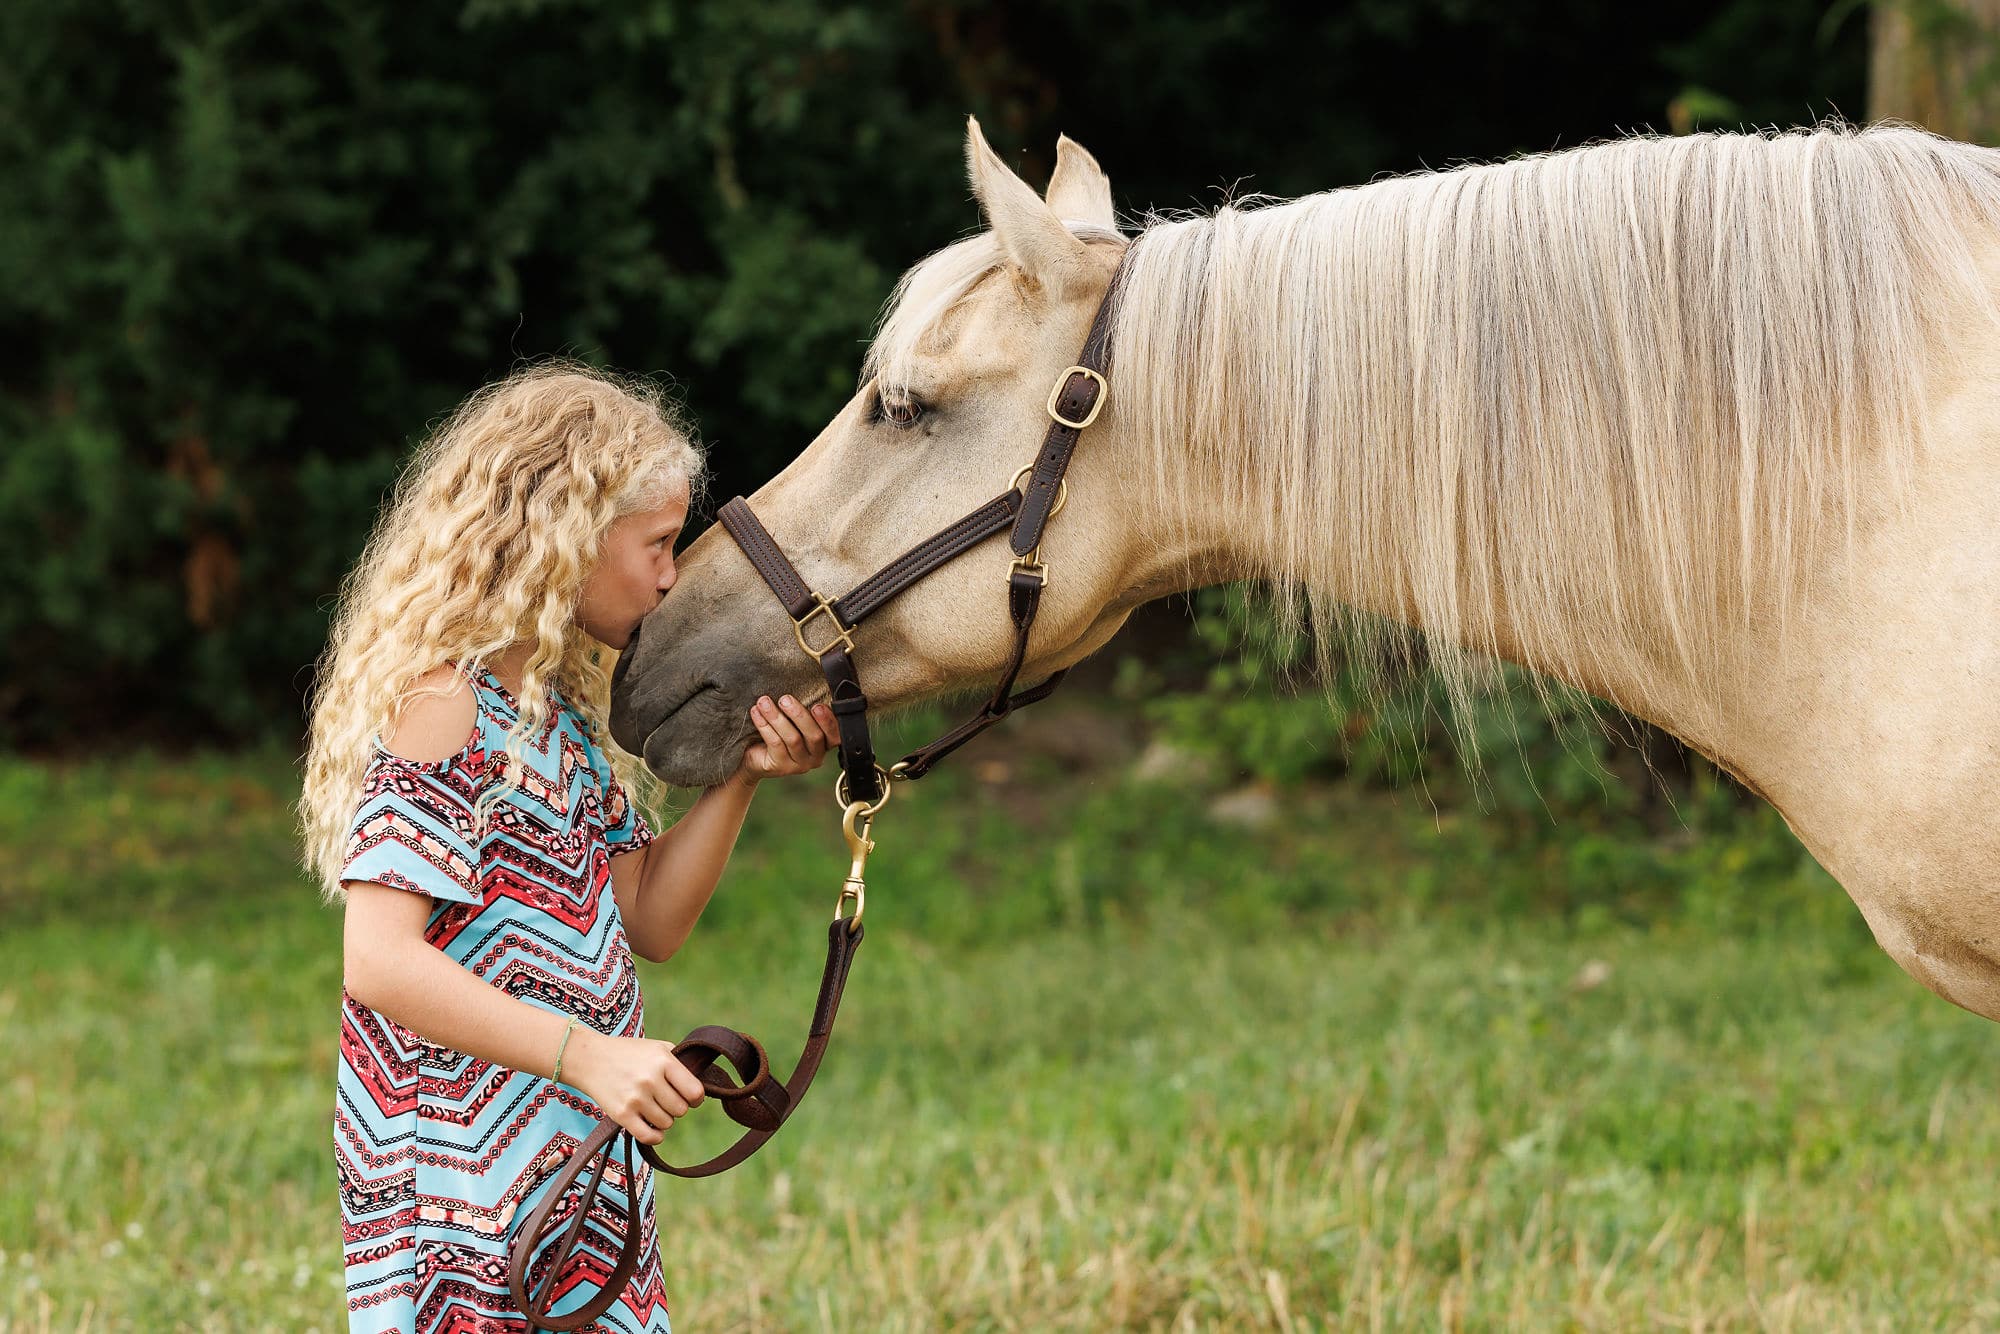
(1704, 426)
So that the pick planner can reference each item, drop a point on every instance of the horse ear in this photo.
(1079, 189)
(1028, 230)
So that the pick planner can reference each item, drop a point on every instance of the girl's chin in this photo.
(613, 637)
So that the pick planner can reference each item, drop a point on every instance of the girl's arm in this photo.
(391, 968)
(668, 882)
(662, 888)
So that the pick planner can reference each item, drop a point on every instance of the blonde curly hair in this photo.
(486, 542)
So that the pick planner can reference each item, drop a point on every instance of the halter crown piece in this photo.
(759, 1103)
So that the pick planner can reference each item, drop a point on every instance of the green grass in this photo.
(1104, 1063)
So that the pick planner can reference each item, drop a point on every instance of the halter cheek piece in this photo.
(759, 1103)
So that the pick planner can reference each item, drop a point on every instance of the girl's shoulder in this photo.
(444, 719)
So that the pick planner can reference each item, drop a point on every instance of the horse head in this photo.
(951, 408)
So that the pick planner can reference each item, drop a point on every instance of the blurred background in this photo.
(252, 249)
(1202, 998)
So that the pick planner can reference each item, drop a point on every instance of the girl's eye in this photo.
(901, 410)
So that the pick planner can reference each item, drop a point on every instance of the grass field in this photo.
(1105, 1062)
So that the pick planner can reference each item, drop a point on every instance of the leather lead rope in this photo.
(758, 1103)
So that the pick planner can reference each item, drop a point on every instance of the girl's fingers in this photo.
(684, 1082)
(646, 1130)
(773, 745)
(796, 738)
(812, 742)
(783, 722)
(669, 1104)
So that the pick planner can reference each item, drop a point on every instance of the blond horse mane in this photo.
(1590, 405)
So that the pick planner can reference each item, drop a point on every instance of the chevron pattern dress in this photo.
(439, 1154)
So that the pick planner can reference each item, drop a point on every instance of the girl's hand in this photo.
(795, 739)
(637, 1082)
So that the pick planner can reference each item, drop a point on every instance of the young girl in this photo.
(464, 800)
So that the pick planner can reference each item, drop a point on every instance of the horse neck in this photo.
(1540, 419)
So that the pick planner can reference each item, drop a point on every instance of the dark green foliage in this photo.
(248, 250)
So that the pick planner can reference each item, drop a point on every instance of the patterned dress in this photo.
(440, 1154)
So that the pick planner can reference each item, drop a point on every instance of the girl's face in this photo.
(634, 571)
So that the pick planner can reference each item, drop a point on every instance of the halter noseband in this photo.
(1074, 402)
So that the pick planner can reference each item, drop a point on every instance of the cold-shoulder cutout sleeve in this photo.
(414, 829)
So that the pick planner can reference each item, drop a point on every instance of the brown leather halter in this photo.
(759, 1103)
(1074, 402)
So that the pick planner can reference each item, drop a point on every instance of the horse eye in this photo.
(900, 411)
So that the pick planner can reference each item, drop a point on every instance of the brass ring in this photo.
(840, 792)
(1062, 489)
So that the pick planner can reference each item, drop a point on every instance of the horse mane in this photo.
(1587, 405)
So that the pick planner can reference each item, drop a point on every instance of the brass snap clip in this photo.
(859, 845)
(857, 822)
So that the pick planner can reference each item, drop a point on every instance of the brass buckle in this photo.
(1062, 382)
(843, 635)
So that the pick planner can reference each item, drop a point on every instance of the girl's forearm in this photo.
(684, 865)
(442, 1001)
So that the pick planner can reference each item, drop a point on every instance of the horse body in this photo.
(1597, 516)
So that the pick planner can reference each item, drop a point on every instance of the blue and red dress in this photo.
(440, 1155)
